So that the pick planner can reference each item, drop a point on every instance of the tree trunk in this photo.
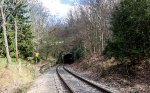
(16, 41)
(102, 41)
(5, 36)
(47, 54)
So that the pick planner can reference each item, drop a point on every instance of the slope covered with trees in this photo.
(131, 31)
(112, 40)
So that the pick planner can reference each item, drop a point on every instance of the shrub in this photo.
(13, 54)
(79, 53)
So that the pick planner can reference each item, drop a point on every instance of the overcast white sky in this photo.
(58, 7)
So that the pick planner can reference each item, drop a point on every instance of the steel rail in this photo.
(88, 82)
(64, 82)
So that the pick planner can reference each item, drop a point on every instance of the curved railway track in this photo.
(64, 82)
(76, 84)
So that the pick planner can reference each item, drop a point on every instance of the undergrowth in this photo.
(16, 76)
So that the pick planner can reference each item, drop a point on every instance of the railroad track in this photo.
(66, 86)
(76, 84)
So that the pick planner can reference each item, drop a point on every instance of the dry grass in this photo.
(95, 64)
(15, 77)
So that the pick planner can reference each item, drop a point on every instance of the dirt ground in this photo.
(109, 72)
(48, 82)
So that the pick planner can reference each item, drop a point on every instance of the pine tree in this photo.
(24, 31)
(131, 31)
(18, 12)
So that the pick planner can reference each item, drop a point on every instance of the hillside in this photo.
(112, 74)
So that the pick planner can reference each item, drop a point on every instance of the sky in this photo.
(58, 7)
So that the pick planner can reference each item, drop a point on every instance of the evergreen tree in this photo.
(20, 12)
(131, 31)
(24, 35)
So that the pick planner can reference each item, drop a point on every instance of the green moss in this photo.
(3, 62)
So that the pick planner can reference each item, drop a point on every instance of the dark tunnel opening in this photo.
(68, 58)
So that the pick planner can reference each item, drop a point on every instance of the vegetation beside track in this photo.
(17, 77)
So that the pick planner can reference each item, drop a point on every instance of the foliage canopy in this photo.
(131, 31)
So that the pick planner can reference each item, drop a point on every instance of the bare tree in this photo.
(40, 22)
(91, 24)
(16, 39)
(5, 33)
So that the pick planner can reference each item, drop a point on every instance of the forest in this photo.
(108, 37)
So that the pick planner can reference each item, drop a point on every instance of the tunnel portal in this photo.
(68, 58)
